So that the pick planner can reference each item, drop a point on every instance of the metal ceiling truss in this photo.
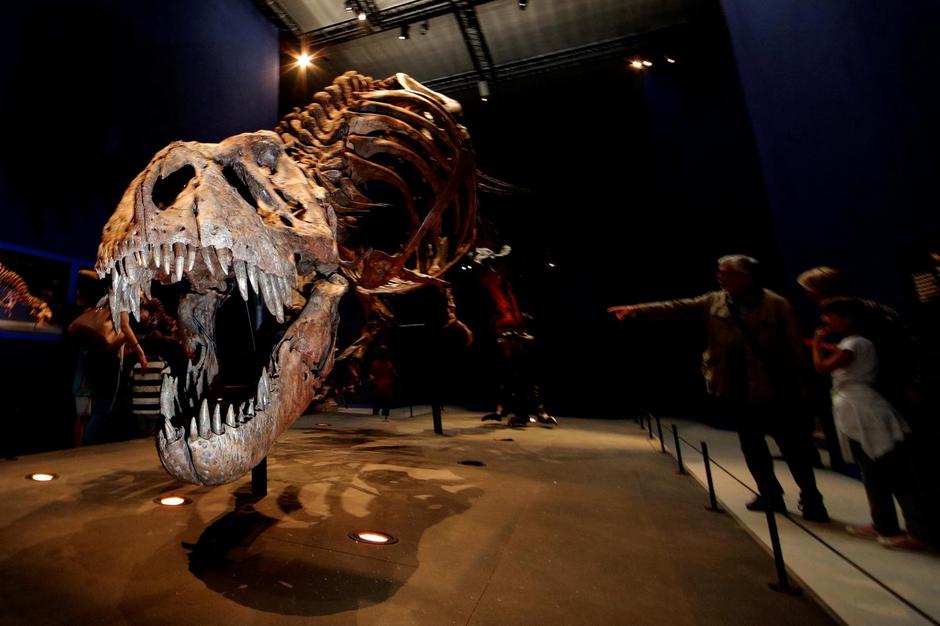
(476, 43)
(402, 15)
(554, 61)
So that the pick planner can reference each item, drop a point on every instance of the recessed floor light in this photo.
(42, 477)
(172, 500)
(373, 537)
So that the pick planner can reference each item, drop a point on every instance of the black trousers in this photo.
(892, 476)
(754, 423)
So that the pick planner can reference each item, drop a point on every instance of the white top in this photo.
(859, 411)
(864, 367)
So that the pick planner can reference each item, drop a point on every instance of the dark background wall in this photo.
(843, 99)
(89, 91)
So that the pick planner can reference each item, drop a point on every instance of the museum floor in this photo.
(585, 523)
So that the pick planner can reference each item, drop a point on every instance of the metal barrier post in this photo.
(649, 425)
(659, 429)
(675, 436)
(783, 582)
(712, 498)
(259, 479)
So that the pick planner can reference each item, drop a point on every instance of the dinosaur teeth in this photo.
(253, 277)
(230, 417)
(167, 258)
(190, 258)
(204, 419)
(157, 258)
(217, 420)
(241, 275)
(167, 397)
(225, 259)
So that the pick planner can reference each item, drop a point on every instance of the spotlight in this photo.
(172, 500)
(637, 65)
(552, 265)
(425, 27)
(362, 16)
(373, 537)
(647, 64)
(404, 34)
(349, 6)
(42, 477)
(304, 60)
(484, 90)
(670, 60)
(523, 4)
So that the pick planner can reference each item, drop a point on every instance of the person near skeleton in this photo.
(756, 366)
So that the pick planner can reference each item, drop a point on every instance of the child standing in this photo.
(871, 431)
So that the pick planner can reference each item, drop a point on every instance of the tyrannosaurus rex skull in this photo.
(237, 216)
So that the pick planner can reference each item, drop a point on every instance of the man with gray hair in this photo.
(755, 364)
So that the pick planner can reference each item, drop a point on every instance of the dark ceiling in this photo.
(453, 44)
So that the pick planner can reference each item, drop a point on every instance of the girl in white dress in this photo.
(871, 431)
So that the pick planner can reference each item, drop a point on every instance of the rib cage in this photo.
(347, 136)
(14, 290)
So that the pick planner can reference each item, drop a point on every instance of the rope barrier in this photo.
(809, 532)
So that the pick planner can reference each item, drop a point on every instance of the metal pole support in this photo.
(712, 498)
(436, 416)
(659, 429)
(783, 582)
(649, 425)
(675, 436)
(259, 479)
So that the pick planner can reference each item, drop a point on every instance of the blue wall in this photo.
(90, 90)
(845, 109)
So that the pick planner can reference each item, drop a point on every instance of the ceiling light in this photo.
(372, 537)
(404, 34)
(349, 6)
(523, 4)
(42, 477)
(670, 60)
(637, 65)
(304, 60)
(647, 64)
(362, 16)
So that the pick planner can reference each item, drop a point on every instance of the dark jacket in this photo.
(773, 372)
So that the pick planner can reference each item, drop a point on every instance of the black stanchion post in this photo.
(259, 479)
(436, 416)
(783, 582)
(659, 429)
(639, 420)
(649, 425)
(675, 436)
(712, 499)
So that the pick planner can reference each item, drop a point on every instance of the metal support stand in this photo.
(649, 425)
(712, 498)
(259, 479)
(783, 582)
(436, 416)
(659, 429)
(675, 436)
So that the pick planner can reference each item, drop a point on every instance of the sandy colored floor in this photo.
(580, 524)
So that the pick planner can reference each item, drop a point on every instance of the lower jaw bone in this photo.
(307, 348)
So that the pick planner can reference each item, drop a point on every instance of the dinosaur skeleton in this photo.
(14, 291)
(276, 217)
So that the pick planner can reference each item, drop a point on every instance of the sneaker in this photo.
(866, 532)
(760, 503)
(904, 542)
